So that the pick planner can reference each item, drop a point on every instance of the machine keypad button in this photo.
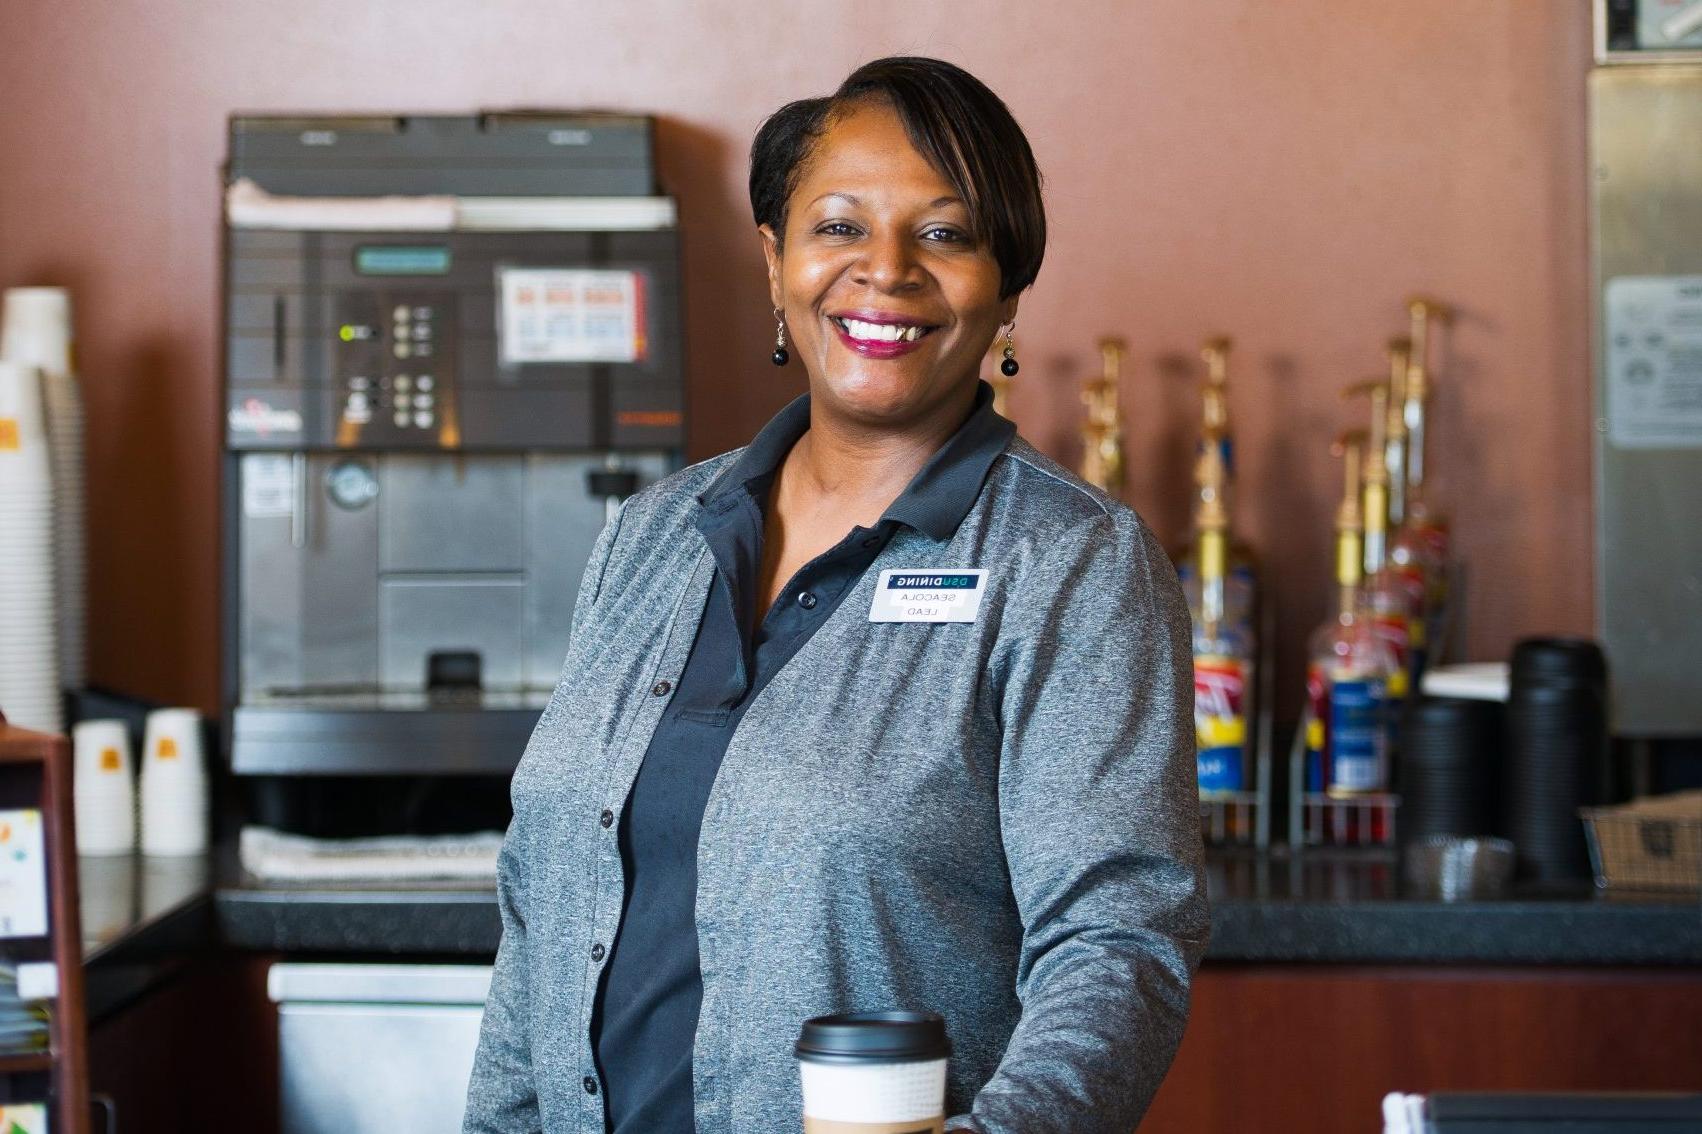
(423, 420)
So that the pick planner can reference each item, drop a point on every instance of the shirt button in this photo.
(597, 952)
(607, 818)
(661, 688)
(590, 1085)
(807, 600)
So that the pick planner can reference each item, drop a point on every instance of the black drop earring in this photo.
(1009, 367)
(780, 357)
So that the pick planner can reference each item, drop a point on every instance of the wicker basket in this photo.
(1650, 844)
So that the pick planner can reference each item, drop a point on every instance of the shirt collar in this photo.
(934, 502)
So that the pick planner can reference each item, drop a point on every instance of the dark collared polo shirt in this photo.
(647, 1015)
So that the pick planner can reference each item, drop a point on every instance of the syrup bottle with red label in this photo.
(1350, 666)
(1428, 528)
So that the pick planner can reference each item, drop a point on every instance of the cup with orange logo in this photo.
(174, 784)
(103, 787)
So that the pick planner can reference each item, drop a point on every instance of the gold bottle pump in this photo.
(1102, 430)
(1350, 519)
(1424, 312)
(1376, 491)
(1214, 424)
(1211, 519)
(1395, 444)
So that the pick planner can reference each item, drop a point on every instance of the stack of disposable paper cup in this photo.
(29, 657)
(35, 330)
(104, 787)
(174, 784)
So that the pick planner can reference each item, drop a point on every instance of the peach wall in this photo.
(1286, 173)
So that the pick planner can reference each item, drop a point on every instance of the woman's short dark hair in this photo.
(954, 121)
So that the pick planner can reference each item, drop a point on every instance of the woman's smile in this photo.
(879, 334)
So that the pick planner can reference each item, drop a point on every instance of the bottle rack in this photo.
(1319, 819)
(1243, 818)
(35, 773)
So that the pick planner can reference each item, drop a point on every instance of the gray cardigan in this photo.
(995, 820)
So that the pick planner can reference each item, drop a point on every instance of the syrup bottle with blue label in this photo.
(1242, 582)
(1350, 664)
(1223, 643)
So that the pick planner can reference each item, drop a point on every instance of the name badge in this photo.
(928, 596)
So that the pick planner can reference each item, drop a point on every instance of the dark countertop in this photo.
(1321, 907)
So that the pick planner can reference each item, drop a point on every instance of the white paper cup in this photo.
(174, 784)
(35, 328)
(874, 1073)
(104, 788)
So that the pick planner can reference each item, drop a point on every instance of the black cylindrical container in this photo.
(1451, 768)
(1556, 749)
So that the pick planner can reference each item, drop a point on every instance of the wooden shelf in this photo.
(66, 1059)
(21, 1062)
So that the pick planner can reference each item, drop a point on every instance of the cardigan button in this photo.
(607, 818)
(661, 688)
(597, 952)
(590, 1085)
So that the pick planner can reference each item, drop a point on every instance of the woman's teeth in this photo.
(881, 332)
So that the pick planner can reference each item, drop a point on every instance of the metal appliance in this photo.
(1646, 232)
(373, 1049)
(451, 345)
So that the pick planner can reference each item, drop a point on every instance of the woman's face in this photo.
(890, 301)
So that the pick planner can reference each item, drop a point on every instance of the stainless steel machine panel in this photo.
(308, 567)
(420, 617)
(1646, 138)
(562, 524)
(376, 1049)
(355, 569)
(453, 515)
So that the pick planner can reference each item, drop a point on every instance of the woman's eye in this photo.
(941, 234)
(836, 228)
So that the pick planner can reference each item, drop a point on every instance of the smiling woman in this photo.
(883, 711)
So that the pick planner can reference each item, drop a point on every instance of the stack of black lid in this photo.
(1556, 752)
(1451, 768)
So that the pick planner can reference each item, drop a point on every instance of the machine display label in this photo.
(570, 315)
(1653, 327)
(946, 595)
(402, 260)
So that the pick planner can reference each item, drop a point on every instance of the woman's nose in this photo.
(889, 263)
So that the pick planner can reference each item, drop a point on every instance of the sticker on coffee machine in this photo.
(928, 595)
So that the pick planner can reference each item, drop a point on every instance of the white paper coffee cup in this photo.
(874, 1073)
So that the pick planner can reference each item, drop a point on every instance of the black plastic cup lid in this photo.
(1558, 661)
(874, 1037)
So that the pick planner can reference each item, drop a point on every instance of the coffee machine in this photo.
(452, 345)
